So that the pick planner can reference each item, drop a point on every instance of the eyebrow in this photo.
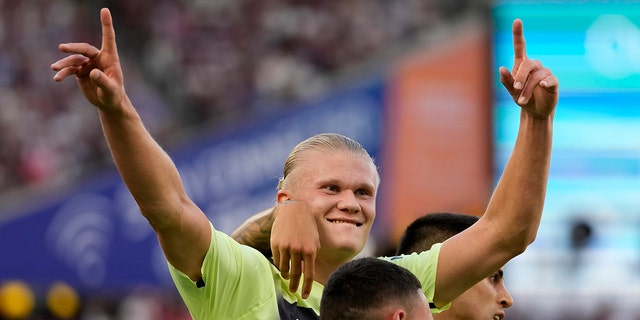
(339, 182)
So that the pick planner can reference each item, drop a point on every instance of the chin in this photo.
(351, 248)
(343, 243)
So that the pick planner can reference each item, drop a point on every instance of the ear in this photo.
(283, 195)
(398, 315)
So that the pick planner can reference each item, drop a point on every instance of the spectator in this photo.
(229, 45)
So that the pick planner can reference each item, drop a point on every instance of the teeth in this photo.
(496, 318)
(357, 224)
(340, 221)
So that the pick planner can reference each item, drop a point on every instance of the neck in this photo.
(327, 263)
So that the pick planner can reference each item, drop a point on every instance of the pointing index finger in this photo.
(108, 33)
(519, 44)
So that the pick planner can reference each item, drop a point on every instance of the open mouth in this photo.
(357, 224)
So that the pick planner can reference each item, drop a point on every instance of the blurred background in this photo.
(228, 87)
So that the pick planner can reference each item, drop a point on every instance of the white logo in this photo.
(79, 235)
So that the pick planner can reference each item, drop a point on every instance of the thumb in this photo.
(98, 79)
(108, 86)
(109, 93)
(507, 80)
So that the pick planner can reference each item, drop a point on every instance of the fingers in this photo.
(68, 66)
(309, 273)
(305, 263)
(79, 62)
(295, 242)
(531, 85)
(283, 264)
(550, 82)
(526, 79)
(76, 63)
(506, 78)
(294, 265)
(103, 82)
(64, 72)
(534, 81)
(296, 272)
(276, 257)
(97, 71)
(519, 44)
(297, 265)
(74, 60)
(530, 75)
(108, 33)
(84, 49)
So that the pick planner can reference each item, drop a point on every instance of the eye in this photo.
(363, 192)
(496, 277)
(332, 188)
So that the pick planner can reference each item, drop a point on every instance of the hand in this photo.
(532, 86)
(295, 243)
(98, 72)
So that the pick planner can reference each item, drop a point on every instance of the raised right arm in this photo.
(150, 175)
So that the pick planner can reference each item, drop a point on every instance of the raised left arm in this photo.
(510, 222)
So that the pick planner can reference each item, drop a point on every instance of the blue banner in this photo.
(94, 237)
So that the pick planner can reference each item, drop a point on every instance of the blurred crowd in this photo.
(188, 65)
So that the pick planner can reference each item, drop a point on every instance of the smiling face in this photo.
(340, 186)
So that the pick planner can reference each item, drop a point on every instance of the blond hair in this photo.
(324, 142)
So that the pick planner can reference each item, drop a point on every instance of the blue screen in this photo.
(588, 243)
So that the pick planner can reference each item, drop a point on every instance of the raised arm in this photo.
(151, 176)
(511, 220)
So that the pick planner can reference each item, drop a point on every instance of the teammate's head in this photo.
(488, 298)
(433, 228)
(372, 289)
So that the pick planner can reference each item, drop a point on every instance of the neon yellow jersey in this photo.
(240, 283)
(424, 266)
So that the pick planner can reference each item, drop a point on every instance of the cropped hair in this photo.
(433, 228)
(359, 289)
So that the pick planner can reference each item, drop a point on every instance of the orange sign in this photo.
(437, 134)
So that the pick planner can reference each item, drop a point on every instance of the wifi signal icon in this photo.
(80, 234)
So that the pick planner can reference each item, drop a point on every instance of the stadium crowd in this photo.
(191, 65)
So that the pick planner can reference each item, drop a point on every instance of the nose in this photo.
(504, 297)
(348, 202)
